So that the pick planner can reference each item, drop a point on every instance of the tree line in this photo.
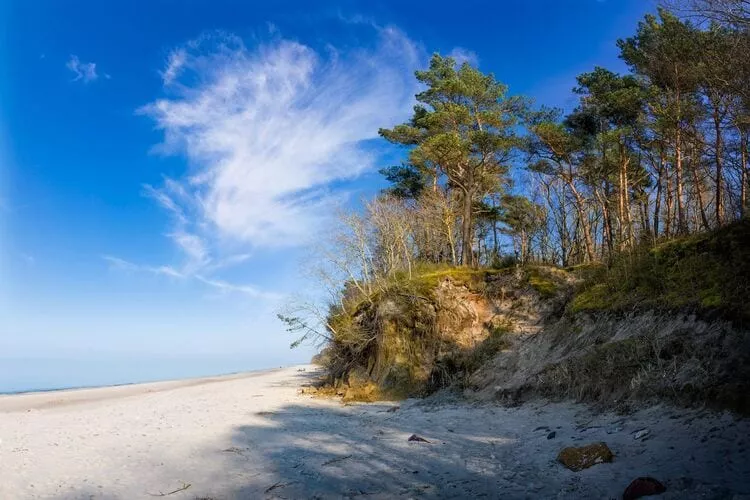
(656, 153)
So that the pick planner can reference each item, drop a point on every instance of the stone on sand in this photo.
(643, 487)
(583, 457)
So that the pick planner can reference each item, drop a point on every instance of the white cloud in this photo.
(85, 72)
(230, 287)
(220, 285)
(175, 62)
(267, 131)
(193, 247)
(462, 55)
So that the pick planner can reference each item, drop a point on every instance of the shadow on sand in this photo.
(319, 449)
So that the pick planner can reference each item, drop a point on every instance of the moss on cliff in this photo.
(705, 273)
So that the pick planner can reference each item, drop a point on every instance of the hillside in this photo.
(664, 324)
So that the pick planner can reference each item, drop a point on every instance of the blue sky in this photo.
(166, 164)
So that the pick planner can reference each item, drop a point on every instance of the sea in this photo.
(19, 375)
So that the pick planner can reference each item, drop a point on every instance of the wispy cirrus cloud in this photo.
(267, 132)
(171, 272)
(175, 62)
(84, 72)
(462, 55)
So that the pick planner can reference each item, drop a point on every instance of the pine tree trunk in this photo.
(466, 229)
(681, 226)
(657, 202)
(719, 151)
(645, 218)
(607, 229)
(626, 200)
(583, 221)
(669, 201)
(699, 187)
(621, 205)
(494, 230)
(744, 174)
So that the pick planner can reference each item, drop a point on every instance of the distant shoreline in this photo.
(38, 400)
(126, 384)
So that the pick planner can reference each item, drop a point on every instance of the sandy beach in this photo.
(253, 436)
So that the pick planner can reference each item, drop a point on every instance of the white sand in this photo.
(252, 436)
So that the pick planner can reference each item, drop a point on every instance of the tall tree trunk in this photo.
(744, 174)
(479, 250)
(697, 181)
(627, 216)
(681, 221)
(669, 201)
(494, 230)
(645, 218)
(582, 220)
(657, 202)
(607, 229)
(621, 204)
(466, 229)
(564, 233)
(718, 151)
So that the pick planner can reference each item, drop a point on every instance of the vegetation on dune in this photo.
(706, 273)
(407, 336)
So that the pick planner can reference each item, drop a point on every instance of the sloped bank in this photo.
(668, 323)
(617, 361)
(664, 324)
(433, 331)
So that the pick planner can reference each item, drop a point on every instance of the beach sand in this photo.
(253, 436)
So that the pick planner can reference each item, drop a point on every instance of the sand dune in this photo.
(252, 436)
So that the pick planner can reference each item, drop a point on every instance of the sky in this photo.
(165, 166)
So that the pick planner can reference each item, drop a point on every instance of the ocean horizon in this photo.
(30, 375)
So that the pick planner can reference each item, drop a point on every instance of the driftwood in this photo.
(334, 460)
(277, 485)
(182, 488)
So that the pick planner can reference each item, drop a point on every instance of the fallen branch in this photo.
(160, 494)
(334, 460)
(277, 485)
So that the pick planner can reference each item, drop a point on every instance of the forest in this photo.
(491, 180)
(658, 152)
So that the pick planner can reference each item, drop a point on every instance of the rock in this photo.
(551, 435)
(643, 487)
(541, 428)
(393, 409)
(640, 434)
(583, 457)
(418, 439)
